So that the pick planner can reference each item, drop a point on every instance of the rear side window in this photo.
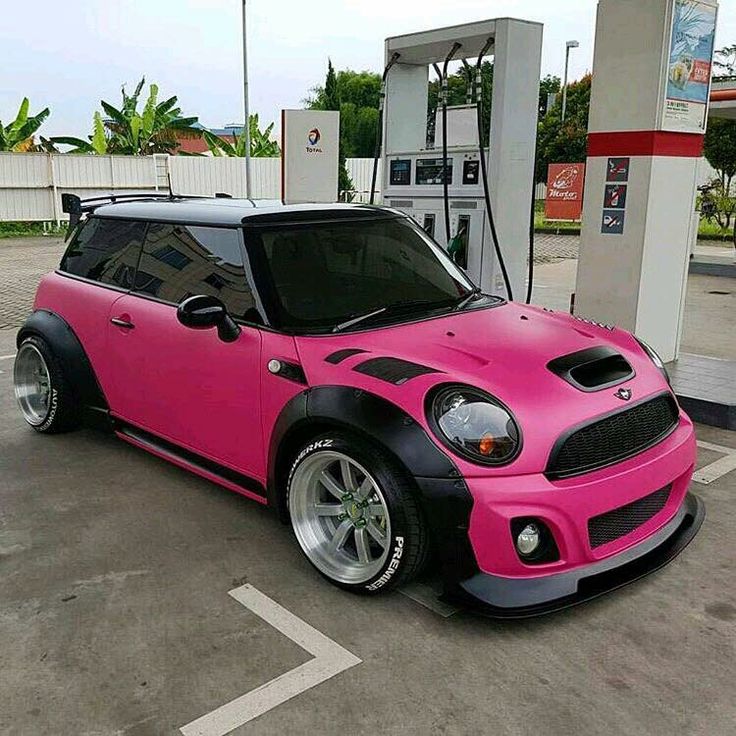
(180, 261)
(106, 251)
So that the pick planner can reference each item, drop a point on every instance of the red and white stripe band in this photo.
(645, 143)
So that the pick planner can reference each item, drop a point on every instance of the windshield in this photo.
(323, 275)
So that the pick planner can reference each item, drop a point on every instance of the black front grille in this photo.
(613, 438)
(618, 523)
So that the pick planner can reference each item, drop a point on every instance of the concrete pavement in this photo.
(115, 618)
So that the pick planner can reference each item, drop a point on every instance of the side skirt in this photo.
(202, 466)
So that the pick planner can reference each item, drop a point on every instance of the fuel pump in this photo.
(379, 128)
(480, 189)
(444, 93)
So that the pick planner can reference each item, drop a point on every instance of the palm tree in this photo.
(98, 143)
(125, 130)
(261, 145)
(18, 136)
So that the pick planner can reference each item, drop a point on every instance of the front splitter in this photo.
(503, 598)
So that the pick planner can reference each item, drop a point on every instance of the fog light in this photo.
(528, 540)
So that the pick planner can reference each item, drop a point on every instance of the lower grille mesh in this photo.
(618, 523)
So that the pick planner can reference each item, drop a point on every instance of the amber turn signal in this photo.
(486, 444)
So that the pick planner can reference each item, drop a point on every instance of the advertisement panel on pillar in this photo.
(565, 184)
(309, 157)
(689, 66)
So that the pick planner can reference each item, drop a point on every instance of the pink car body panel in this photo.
(86, 308)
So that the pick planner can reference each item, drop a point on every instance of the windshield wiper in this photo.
(393, 307)
(357, 320)
(472, 296)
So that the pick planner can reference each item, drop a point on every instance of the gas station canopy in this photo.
(723, 99)
(427, 47)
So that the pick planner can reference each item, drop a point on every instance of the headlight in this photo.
(654, 357)
(474, 425)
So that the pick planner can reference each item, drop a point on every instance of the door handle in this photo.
(122, 323)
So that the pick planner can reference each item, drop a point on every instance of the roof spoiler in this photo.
(75, 206)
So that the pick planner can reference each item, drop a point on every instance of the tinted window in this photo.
(106, 251)
(324, 274)
(180, 261)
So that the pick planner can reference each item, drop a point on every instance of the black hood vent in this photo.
(393, 370)
(593, 369)
(338, 356)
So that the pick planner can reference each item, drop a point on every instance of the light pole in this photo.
(569, 45)
(246, 129)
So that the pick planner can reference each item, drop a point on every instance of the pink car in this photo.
(333, 363)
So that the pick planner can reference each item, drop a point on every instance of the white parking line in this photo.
(330, 659)
(7, 357)
(717, 469)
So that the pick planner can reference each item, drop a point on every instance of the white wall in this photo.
(31, 184)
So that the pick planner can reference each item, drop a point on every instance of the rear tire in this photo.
(354, 515)
(42, 389)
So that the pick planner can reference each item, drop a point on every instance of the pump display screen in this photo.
(430, 171)
(400, 172)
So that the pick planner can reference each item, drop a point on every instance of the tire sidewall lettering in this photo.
(54, 406)
(311, 447)
(393, 565)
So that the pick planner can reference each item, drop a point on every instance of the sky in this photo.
(68, 55)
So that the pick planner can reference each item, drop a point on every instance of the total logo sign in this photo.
(313, 138)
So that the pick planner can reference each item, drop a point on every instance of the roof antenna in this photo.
(168, 179)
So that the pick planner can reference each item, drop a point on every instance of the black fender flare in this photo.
(443, 495)
(67, 346)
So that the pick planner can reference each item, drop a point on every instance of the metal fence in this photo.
(31, 184)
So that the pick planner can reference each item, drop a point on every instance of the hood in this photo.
(503, 350)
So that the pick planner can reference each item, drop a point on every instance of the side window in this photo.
(179, 261)
(106, 251)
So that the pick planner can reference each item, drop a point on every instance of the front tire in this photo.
(42, 390)
(354, 516)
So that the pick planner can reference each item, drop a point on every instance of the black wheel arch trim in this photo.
(68, 348)
(443, 494)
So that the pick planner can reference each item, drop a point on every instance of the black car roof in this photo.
(231, 212)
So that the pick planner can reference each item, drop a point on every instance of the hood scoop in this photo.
(593, 369)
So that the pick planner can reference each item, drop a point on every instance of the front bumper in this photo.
(471, 522)
(501, 597)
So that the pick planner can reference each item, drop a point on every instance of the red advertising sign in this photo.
(565, 191)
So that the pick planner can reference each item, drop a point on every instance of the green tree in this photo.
(720, 148)
(126, 130)
(331, 95)
(18, 135)
(261, 145)
(567, 142)
(720, 151)
(356, 95)
(549, 85)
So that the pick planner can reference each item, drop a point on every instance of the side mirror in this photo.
(204, 312)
